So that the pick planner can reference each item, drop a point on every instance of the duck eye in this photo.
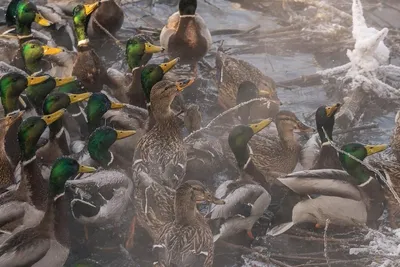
(32, 46)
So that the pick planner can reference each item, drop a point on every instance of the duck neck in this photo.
(134, 62)
(47, 222)
(33, 65)
(357, 170)
(286, 135)
(242, 154)
(328, 130)
(183, 26)
(58, 135)
(23, 29)
(80, 32)
(6, 170)
(37, 94)
(103, 156)
(135, 92)
(185, 208)
(9, 103)
(162, 112)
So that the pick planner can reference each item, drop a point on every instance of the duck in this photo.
(186, 34)
(39, 245)
(109, 15)
(162, 146)
(88, 67)
(237, 78)
(246, 198)
(6, 166)
(139, 51)
(317, 156)
(349, 197)
(37, 93)
(28, 200)
(59, 140)
(187, 240)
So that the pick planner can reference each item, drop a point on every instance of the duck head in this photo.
(96, 107)
(38, 92)
(139, 51)
(81, 15)
(152, 74)
(248, 90)
(23, 14)
(187, 7)
(325, 118)
(73, 87)
(359, 151)
(162, 95)
(287, 123)
(240, 136)
(9, 120)
(62, 170)
(101, 140)
(12, 85)
(30, 131)
(32, 53)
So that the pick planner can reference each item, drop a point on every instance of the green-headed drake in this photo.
(6, 166)
(139, 51)
(102, 197)
(319, 154)
(186, 34)
(246, 198)
(87, 66)
(59, 139)
(350, 197)
(45, 244)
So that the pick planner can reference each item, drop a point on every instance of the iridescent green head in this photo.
(30, 131)
(56, 101)
(139, 51)
(359, 151)
(81, 15)
(73, 87)
(33, 51)
(96, 107)
(64, 169)
(11, 12)
(101, 140)
(12, 85)
(240, 136)
(152, 74)
(25, 14)
(325, 118)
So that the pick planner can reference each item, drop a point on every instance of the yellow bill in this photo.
(332, 109)
(62, 81)
(150, 48)
(169, 65)
(49, 119)
(86, 169)
(264, 93)
(259, 126)
(124, 134)
(91, 7)
(47, 50)
(182, 84)
(32, 80)
(372, 149)
(73, 98)
(115, 105)
(39, 19)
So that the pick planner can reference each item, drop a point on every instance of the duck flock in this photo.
(97, 159)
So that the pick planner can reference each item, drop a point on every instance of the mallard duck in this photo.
(36, 246)
(162, 146)
(186, 34)
(187, 240)
(192, 119)
(88, 67)
(349, 198)
(317, 156)
(28, 200)
(139, 51)
(109, 15)
(6, 167)
(245, 200)
(38, 92)
(234, 74)
(58, 144)
(32, 53)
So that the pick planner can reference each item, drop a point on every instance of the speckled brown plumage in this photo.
(231, 73)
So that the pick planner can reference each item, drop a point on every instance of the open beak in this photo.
(372, 149)
(182, 84)
(32, 80)
(48, 51)
(39, 19)
(91, 7)
(49, 119)
(62, 81)
(117, 105)
(13, 117)
(150, 48)
(124, 134)
(330, 111)
(167, 66)
(86, 169)
(259, 126)
(73, 98)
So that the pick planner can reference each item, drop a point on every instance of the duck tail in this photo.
(280, 229)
